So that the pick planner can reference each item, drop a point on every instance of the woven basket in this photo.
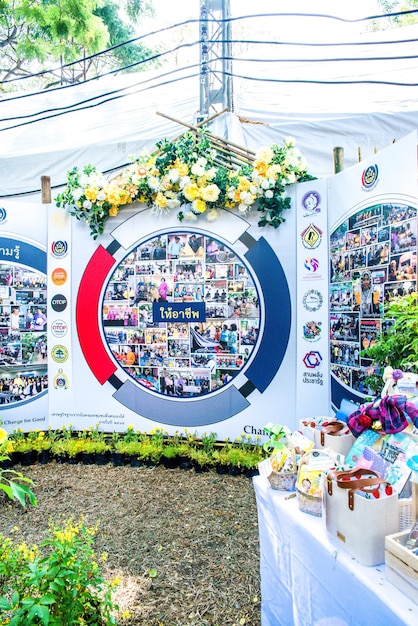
(406, 514)
(309, 503)
(284, 481)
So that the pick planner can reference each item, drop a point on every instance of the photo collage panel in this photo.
(177, 358)
(23, 333)
(373, 260)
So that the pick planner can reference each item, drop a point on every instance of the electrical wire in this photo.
(209, 21)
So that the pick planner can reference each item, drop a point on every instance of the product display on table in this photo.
(361, 508)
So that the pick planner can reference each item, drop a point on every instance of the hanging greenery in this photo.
(190, 175)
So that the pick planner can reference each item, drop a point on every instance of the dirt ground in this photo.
(198, 531)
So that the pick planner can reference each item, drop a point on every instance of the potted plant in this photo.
(202, 460)
(42, 447)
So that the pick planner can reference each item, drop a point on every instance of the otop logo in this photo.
(59, 302)
(59, 328)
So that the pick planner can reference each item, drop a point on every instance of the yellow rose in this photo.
(183, 169)
(191, 191)
(264, 154)
(91, 193)
(260, 167)
(273, 170)
(244, 184)
(160, 199)
(113, 211)
(210, 193)
(199, 205)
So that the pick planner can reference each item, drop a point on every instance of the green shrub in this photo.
(58, 583)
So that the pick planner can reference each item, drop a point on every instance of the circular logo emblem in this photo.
(59, 328)
(59, 249)
(59, 354)
(310, 203)
(369, 177)
(3, 214)
(312, 331)
(59, 218)
(60, 380)
(59, 303)
(312, 300)
(59, 276)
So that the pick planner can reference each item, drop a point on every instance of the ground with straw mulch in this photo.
(184, 544)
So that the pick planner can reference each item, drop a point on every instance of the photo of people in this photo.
(195, 357)
(373, 254)
(23, 339)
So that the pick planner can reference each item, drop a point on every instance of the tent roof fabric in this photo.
(104, 121)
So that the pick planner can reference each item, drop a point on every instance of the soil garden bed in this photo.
(183, 544)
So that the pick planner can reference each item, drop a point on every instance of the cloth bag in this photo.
(355, 517)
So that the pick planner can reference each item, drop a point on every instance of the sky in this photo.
(169, 12)
(292, 28)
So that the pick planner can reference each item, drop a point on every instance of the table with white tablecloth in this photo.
(309, 580)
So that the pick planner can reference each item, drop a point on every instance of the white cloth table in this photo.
(309, 580)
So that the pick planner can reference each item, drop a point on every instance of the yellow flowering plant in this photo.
(187, 176)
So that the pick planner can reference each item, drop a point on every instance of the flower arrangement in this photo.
(190, 176)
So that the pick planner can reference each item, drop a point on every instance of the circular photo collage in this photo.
(181, 359)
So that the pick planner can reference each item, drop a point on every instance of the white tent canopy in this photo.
(103, 121)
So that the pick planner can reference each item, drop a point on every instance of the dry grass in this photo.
(197, 531)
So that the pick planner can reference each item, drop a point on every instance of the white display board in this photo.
(207, 326)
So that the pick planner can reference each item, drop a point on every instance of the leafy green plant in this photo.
(59, 582)
(15, 485)
(397, 345)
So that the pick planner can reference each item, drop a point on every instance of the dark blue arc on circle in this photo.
(339, 393)
(207, 410)
(18, 251)
(278, 314)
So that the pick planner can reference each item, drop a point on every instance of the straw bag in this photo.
(284, 479)
(309, 480)
(361, 508)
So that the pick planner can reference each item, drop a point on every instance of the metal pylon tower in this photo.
(215, 58)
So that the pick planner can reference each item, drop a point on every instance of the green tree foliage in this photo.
(38, 34)
(398, 345)
(394, 6)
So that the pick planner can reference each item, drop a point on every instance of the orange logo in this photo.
(59, 276)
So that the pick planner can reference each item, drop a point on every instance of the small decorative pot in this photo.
(102, 458)
(27, 458)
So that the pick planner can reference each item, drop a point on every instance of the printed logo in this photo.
(59, 328)
(312, 300)
(369, 177)
(59, 354)
(312, 359)
(3, 215)
(59, 303)
(312, 331)
(59, 219)
(311, 236)
(59, 276)
(59, 249)
(60, 380)
(310, 203)
(311, 264)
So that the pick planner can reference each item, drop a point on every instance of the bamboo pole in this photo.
(195, 128)
(46, 189)
(338, 159)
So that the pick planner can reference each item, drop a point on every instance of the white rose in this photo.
(269, 193)
(87, 204)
